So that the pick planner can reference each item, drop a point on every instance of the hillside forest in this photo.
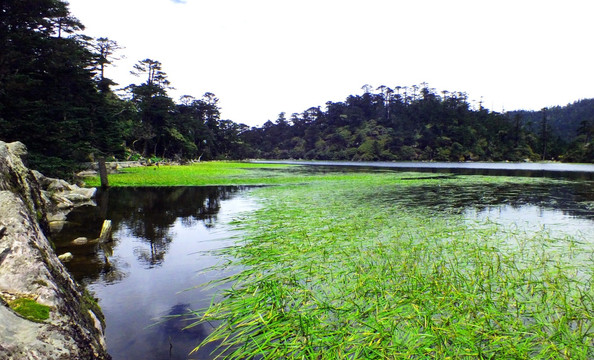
(57, 98)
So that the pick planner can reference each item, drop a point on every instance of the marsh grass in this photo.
(331, 270)
(199, 174)
(227, 173)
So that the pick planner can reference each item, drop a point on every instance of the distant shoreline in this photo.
(521, 166)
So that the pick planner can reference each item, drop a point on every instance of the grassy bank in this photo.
(199, 174)
(336, 269)
(234, 173)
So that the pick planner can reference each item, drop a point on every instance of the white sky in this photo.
(263, 57)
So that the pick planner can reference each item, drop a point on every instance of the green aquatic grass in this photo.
(347, 265)
(228, 173)
(199, 174)
(245, 173)
(334, 271)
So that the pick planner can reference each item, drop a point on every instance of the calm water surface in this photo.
(555, 170)
(163, 237)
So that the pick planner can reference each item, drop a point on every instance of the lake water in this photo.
(164, 238)
(555, 170)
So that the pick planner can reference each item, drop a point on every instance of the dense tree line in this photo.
(56, 97)
(413, 123)
(570, 128)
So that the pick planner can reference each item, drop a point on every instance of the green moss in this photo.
(30, 309)
(40, 282)
(89, 302)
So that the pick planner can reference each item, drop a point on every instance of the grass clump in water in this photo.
(229, 173)
(199, 174)
(332, 273)
(30, 309)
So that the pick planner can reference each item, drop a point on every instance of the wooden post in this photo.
(105, 235)
(103, 173)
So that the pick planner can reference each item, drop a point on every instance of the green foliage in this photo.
(55, 97)
(30, 309)
(53, 165)
(564, 121)
(582, 148)
(417, 125)
(48, 94)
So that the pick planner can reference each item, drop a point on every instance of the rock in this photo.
(87, 173)
(76, 194)
(66, 257)
(57, 225)
(60, 197)
(29, 268)
(98, 326)
(19, 150)
(60, 188)
(18, 179)
(56, 185)
(80, 241)
(61, 202)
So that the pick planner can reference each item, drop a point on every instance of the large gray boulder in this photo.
(30, 269)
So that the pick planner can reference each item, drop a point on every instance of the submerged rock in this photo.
(66, 257)
(80, 241)
(30, 269)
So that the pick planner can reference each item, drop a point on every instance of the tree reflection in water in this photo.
(147, 214)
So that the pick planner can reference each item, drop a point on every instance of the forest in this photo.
(56, 98)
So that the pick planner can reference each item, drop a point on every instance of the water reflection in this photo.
(575, 199)
(163, 238)
(168, 340)
(534, 219)
(147, 214)
(552, 170)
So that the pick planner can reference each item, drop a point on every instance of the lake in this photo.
(164, 239)
(555, 170)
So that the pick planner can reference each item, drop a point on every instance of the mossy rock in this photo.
(30, 309)
(89, 302)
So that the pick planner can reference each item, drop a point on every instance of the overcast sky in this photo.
(263, 57)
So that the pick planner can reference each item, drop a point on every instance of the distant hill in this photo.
(563, 121)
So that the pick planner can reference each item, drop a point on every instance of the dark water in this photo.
(163, 237)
